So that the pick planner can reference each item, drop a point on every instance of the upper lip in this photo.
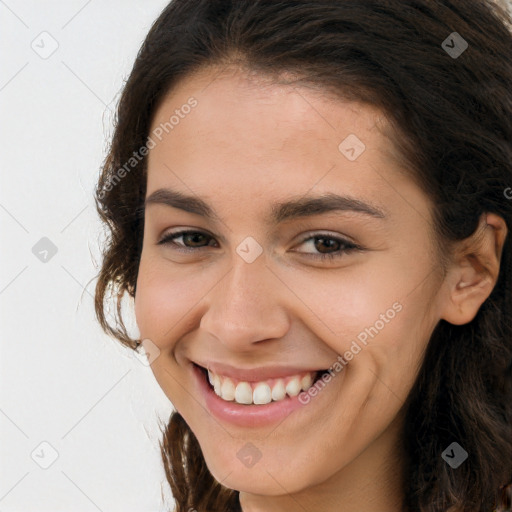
(254, 374)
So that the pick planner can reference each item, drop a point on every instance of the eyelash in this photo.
(348, 246)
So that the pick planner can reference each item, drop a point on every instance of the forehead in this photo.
(268, 110)
(254, 138)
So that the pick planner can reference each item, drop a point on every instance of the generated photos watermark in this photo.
(158, 132)
(342, 360)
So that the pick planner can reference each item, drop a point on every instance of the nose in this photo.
(247, 306)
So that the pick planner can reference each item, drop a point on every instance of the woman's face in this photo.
(269, 286)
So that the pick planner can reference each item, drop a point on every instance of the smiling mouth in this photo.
(262, 392)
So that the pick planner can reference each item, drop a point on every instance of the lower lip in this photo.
(247, 415)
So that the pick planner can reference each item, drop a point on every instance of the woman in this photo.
(310, 204)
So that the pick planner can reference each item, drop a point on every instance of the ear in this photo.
(474, 271)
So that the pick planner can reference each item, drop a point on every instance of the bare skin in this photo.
(246, 145)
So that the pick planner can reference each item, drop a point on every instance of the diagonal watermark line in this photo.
(278, 425)
(385, 385)
(14, 76)
(81, 490)
(197, 401)
(111, 388)
(71, 71)
(224, 479)
(317, 182)
(13, 279)
(192, 192)
(295, 89)
(76, 14)
(191, 308)
(14, 485)
(286, 417)
(13, 13)
(184, 315)
(424, 349)
(76, 280)
(214, 78)
(74, 218)
(301, 300)
(14, 218)
(398, 193)
(3, 412)
(286, 491)
(422, 281)
(382, 177)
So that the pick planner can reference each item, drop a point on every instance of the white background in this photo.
(63, 381)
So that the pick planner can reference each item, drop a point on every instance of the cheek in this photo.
(349, 301)
(164, 299)
(387, 341)
(376, 318)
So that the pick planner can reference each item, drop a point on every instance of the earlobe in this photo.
(475, 270)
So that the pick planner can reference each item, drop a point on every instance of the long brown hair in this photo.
(452, 116)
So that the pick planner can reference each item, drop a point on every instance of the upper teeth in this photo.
(260, 392)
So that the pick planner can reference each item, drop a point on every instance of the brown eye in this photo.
(324, 244)
(329, 246)
(191, 239)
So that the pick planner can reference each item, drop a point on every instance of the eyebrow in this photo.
(293, 208)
